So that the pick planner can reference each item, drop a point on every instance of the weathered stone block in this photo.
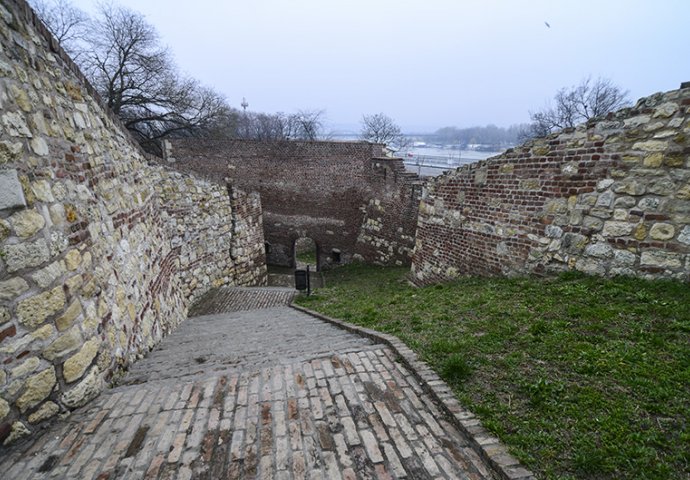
(655, 160)
(11, 191)
(46, 276)
(574, 242)
(640, 232)
(623, 258)
(27, 222)
(590, 266)
(10, 151)
(74, 283)
(651, 146)
(553, 231)
(593, 223)
(15, 125)
(4, 230)
(21, 98)
(76, 365)
(601, 212)
(39, 146)
(480, 176)
(47, 410)
(43, 333)
(4, 408)
(28, 366)
(637, 121)
(666, 110)
(649, 203)
(604, 184)
(64, 321)
(35, 310)
(617, 229)
(674, 160)
(605, 199)
(684, 236)
(662, 231)
(625, 202)
(660, 258)
(599, 250)
(662, 186)
(5, 315)
(620, 214)
(26, 255)
(57, 214)
(38, 387)
(84, 391)
(530, 184)
(42, 191)
(12, 288)
(540, 151)
(558, 205)
(64, 344)
(616, 271)
(17, 432)
(72, 259)
(630, 186)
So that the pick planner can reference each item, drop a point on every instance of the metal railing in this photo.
(438, 162)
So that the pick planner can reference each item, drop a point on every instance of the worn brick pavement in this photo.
(268, 393)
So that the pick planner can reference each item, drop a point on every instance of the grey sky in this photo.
(425, 63)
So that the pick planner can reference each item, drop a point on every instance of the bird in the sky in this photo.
(547, 24)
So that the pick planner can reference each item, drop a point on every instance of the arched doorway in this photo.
(306, 252)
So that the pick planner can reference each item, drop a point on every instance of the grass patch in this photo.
(581, 377)
(307, 257)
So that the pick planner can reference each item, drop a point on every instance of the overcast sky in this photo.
(425, 63)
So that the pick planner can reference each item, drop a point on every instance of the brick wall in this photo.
(343, 195)
(609, 197)
(101, 250)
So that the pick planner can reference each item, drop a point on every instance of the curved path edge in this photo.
(487, 446)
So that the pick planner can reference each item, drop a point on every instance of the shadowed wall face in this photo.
(611, 197)
(354, 203)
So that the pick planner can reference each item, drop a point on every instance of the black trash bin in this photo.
(302, 280)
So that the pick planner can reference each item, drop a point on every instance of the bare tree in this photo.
(136, 77)
(122, 56)
(264, 126)
(380, 128)
(573, 105)
(303, 125)
(126, 62)
(66, 22)
(307, 124)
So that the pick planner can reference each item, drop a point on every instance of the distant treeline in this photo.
(490, 136)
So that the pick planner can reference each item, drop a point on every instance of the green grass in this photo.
(307, 257)
(581, 377)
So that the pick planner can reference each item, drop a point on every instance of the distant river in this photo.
(428, 161)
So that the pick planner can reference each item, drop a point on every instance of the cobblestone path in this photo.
(268, 393)
(223, 300)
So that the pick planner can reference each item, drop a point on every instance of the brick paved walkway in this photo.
(223, 300)
(268, 393)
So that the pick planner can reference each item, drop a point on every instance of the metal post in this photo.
(308, 281)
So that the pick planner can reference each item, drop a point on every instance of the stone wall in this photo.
(610, 197)
(353, 202)
(101, 251)
(387, 231)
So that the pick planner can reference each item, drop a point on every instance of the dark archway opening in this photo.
(306, 252)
